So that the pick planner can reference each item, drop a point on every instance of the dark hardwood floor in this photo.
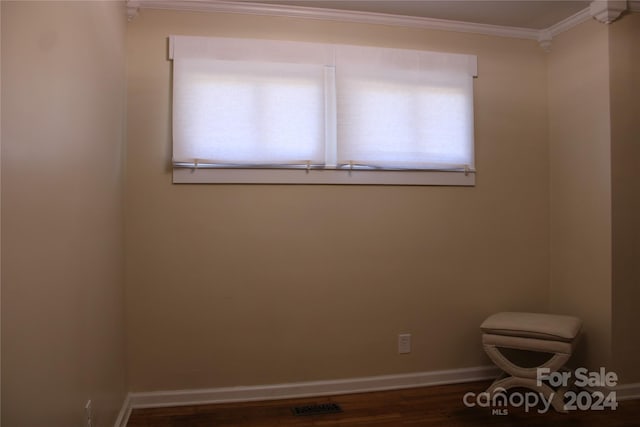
(426, 406)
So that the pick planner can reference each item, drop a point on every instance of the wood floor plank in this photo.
(425, 407)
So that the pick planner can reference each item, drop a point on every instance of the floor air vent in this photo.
(320, 409)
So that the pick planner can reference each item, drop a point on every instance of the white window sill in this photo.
(316, 176)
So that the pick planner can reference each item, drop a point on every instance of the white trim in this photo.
(568, 23)
(607, 11)
(159, 399)
(125, 413)
(543, 36)
(319, 176)
(132, 11)
(627, 391)
(546, 36)
(622, 391)
(334, 15)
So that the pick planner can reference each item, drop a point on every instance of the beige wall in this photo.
(593, 133)
(62, 279)
(0, 214)
(624, 50)
(579, 137)
(231, 285)
(249, 284)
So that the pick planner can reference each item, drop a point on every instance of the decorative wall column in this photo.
(607, 11)
(604, 11)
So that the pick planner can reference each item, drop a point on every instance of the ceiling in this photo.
(530, 14)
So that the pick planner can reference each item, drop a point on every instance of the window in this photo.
(239, 113)
(289, 112)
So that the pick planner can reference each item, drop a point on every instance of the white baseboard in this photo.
(158, 399)
(125, 412)
(627, 391)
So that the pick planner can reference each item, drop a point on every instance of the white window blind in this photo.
(404, 108)
(248, 102)
(278, 104)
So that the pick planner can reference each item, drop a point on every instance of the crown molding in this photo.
(601, 10)
(223, 6)
(132, 11)
(566, 24)
(607, 11)
(546, 36)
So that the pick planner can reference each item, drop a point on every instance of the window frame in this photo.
(183, 175)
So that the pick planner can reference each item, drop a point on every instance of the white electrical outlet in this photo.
(88, 414)
(404, 343)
